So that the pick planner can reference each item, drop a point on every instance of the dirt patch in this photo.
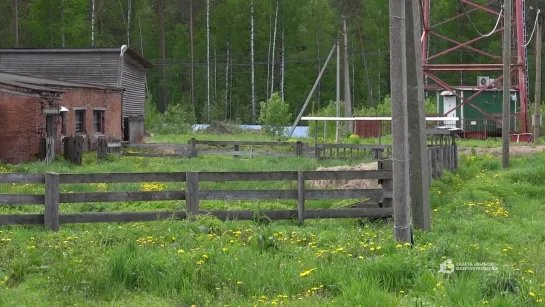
(348, 184)
(496, 151)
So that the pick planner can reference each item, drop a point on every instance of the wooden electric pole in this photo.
(507, 8)
(347, 98)
(537, 122)
(400, 148)
(416, 114)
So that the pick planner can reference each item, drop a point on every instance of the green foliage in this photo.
(275, 115)
(178, 119)
(205, 261)
(330, 126)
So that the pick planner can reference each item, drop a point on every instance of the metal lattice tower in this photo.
(519, 66)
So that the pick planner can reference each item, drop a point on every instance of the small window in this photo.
(80, 121)
(63, 123)
(98, 121)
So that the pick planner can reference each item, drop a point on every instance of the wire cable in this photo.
(475, 27)
(533, 31)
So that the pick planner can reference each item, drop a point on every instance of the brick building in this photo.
(107, 67)
(34, 109)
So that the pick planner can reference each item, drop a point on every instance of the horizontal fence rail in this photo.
(192, 195)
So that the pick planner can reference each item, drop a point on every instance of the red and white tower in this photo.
(519, 68)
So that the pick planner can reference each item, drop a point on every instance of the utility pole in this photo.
(416, 115)
(400, 146)
(337, 130)
(506, 80)
(347, 98)
(537, 100)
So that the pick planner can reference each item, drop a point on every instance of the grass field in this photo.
(480, 214)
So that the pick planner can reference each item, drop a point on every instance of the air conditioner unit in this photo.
(483, 81)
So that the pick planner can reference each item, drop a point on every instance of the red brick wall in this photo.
(21, 128)
(90, 99)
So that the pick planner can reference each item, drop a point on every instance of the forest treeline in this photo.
(218, 59)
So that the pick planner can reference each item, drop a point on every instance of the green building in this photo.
(472, 122)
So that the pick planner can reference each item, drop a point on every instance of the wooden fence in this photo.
(352, 151)
(196, 148)
(73, 149)
(192, 195)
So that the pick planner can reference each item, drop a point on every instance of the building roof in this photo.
(135, 55)
(29, 86)
(29, 81)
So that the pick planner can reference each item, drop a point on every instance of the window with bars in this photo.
(98, 121)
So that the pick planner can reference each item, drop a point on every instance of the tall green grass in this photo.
(345, 262)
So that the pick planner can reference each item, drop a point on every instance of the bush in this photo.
(177, 120)
(274, 115)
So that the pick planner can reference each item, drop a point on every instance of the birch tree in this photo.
(208, 56)
(283, 65)
(252, 59)
(129, 7)
(16, 21)
(92, 23)
(274, 46)
(191, 50)
(227, 79)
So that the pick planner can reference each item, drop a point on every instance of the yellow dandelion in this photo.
(180, 251)
(306, 273)
(399, 246)
(532, 294)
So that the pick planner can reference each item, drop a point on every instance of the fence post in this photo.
(455, 156)
(102, 147)
(51, 200)
(301, 197)
(434, 162)
(430, 167)
(193, 148)
(445, 157)
(236, 148)
(299, 149)
(192, 193)
(387, 184)
(439, 161)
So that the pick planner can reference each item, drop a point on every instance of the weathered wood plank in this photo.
(387, 184)
(123, 177)
(51, 199)
(246, 153)
(154, 155)
(192, 193)
(21, 199)
(121, 196)
(114, 217)
(301, 197)
(437, 131)
(248, 176)
(244, 143)
(347, 175)
(22, 219)
(251, 215)
(344, 194)
(354, 146)
(157, 145)
(348, 213)
(247, 194)
(22, 178)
